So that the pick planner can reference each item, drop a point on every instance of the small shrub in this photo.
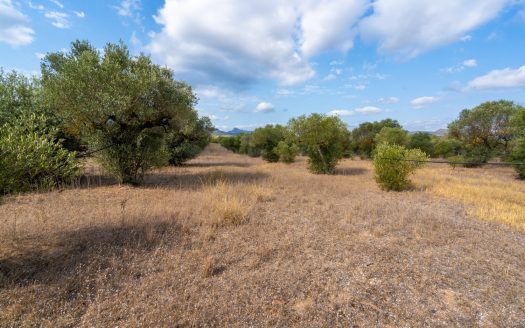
(518, 156)
(286, 152)
(392, 165)
(31, 158)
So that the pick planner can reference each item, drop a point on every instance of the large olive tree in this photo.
(485, 130)
(123, 105)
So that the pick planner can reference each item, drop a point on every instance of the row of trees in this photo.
(491, 130)
(129, 113)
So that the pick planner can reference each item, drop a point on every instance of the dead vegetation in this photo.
(231, 241)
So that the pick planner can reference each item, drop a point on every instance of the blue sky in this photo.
(257, 62)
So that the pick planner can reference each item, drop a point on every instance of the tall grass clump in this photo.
(393, 165)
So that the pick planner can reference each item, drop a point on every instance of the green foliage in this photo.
(188, 141)
(518, 156)
(486, 130)
(422, 141)
(232, 143)
(363, 137)
(393, 166)
(286, 151)
(266, 139)
(31, 157)
(393, 136)
(18, 96)
(323, 137)
(125, 105)
(246, 146)
(446, 147)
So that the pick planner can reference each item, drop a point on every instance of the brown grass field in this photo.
(231, 241)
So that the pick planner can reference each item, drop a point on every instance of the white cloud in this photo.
(14, 25)
(360, 110)
(58, 19)
(466, 38)
(425, 24)
(135, 40)
(79, 14)
(368, 110)
(128, 8)
(341, 112)
(422, 102)
(329, 24)
(500, 79)
(57, 3)
(37, 7)
(388, 100)
(470, 63)
(360, 87)
(40, 55)
(239, 42)
(264, 107)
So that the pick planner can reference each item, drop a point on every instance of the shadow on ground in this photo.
(193, 181)
(74, 252)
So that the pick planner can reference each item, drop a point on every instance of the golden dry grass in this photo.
(489, 194)
(299, 250)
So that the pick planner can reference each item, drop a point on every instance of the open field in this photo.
(231, 241)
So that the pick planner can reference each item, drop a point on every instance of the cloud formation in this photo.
(360, 110)
(264, 107)
(422, 102)
(500, 79)
(238, 42)
(426, 24)
(15, 29)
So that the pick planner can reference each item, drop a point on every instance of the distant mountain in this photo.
(440, 132)
(232, 132)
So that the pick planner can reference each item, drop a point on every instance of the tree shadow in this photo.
(350, 171)
(67, 254)
(216, 164)
(195, 181)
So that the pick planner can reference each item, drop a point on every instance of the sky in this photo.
(253, 63)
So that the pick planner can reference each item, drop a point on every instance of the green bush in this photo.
(128, 158)
(445, 147)
(286, 152)
(422, 141)
(232, 143)
(188, 141)
(518, 156)
(323, 137)
(31, 158)
(267, 138)
(393, 136)
(393, 166)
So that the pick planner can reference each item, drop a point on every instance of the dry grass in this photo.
(490, 194)
(312, 251)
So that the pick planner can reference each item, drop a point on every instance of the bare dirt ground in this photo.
(231, 241)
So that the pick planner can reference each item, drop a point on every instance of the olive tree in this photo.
(123, 105)
(394, 136)
(323, 137)
(267, 138)
(422, 141)
(363, 137)
(485, 131)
